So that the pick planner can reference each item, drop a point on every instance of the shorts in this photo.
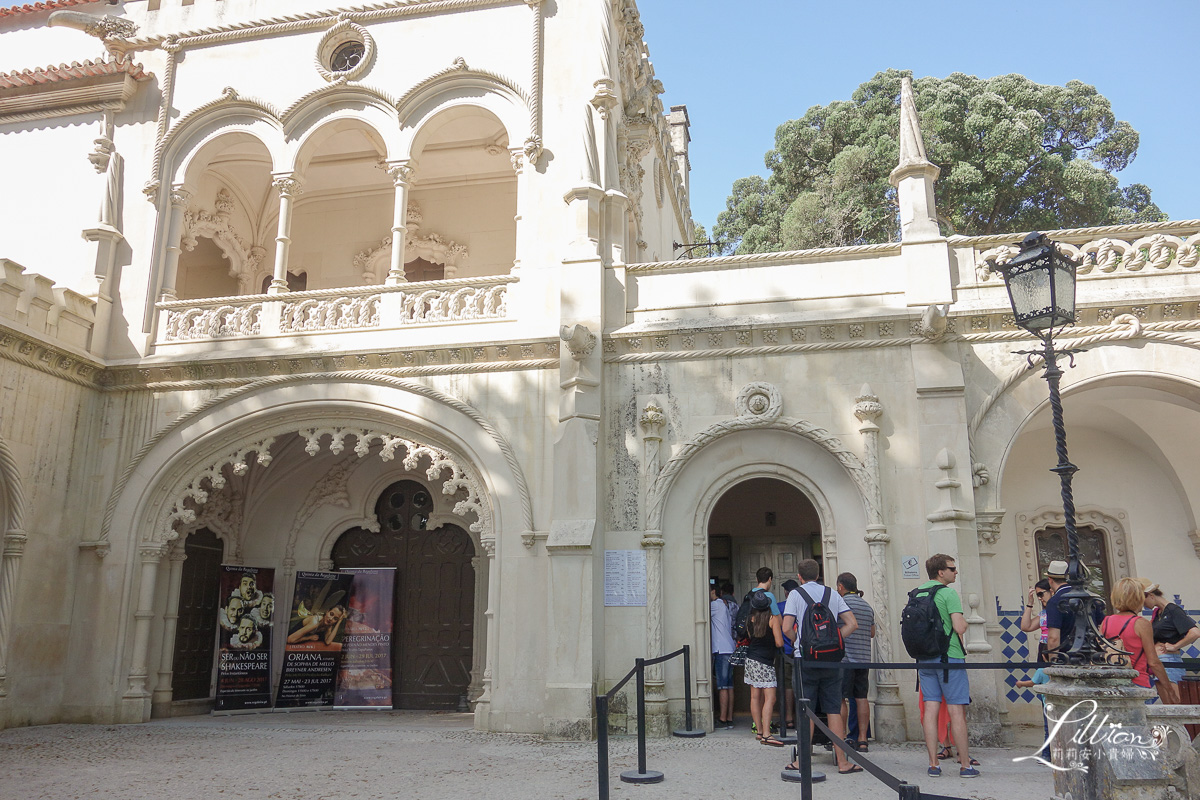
(822, 688)
(856, 683)
(1173, 665)
(788, 668)
(936, 689)
(759, 675)
(722, 671)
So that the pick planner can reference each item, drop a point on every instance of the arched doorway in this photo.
(434, 599)
(760, 522)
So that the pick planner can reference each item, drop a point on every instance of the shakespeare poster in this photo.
(314, 642)
(244, 624)
(365, 679)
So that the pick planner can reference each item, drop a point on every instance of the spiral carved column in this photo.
(889, 709)
(10, 568)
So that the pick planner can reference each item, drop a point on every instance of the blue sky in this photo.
(742, 68)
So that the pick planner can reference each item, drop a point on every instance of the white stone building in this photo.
(272, 268)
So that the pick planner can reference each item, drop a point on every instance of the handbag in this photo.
(738, 658)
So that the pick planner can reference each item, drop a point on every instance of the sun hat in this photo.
(759, 600)
(1057, 569)
(1148, 586)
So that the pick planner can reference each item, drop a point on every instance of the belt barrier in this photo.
(639, 671)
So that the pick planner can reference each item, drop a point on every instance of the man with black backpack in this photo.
(811, 619)
(932, 626)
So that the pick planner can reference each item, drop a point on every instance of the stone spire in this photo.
(913, 177)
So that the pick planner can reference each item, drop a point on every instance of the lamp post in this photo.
(1041, 287)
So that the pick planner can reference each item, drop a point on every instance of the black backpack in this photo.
(921, 626)
(741, 630)
(820, 636)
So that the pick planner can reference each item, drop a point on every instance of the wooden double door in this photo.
(434, 596)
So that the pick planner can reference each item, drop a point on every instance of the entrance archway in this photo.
(434, 598)
(760, 522)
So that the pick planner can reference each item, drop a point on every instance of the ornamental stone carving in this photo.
(579, 340)
(373, 263)
(344, 32)
(761, 402)
(1107, 254)
(226, 321)
(182, 511)
(332, 314)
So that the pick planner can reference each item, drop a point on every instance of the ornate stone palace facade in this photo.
(263, 259)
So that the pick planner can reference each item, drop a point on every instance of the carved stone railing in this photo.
(1116, 250)
(1169, 725)
(332, 310)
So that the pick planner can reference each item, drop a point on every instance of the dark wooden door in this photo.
(196, 629)
(435, 595)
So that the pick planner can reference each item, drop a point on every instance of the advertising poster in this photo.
(365, 679)
(244, 624)
(314, 641)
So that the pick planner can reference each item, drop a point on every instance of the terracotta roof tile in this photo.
(72, 71)
(46, 5)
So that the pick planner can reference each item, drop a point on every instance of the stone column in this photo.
(524, 199)
(401, 173)
(1100, 737)
(483, 706)
(478, 630)
(179, 201)
(987, 524)
(889, 708)
(289, 188)
(160, 705)
(133, 707)
(652, 421)
(10, 569)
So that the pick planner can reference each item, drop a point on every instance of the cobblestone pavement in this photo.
(419, 756)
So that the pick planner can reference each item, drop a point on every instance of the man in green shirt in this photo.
(947, 686)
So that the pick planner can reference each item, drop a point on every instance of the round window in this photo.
(347, 56)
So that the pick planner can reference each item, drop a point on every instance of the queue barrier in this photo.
(642, 775)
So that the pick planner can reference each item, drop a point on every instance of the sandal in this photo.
(793, 767)
(853, 768)
(861, 747)
(944, 753)
(771, 741)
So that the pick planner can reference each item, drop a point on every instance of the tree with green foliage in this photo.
(1014, 156)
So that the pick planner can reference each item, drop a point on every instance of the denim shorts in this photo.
(934, 687)
(722, 672)
(1169, 662)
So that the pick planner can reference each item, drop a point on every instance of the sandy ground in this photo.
(415, 755)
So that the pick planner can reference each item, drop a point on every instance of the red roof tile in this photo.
(46, 5)
(72, 71)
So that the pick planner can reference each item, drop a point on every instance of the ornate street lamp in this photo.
(1041, 287)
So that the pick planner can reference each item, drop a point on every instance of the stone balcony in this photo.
(306, 319)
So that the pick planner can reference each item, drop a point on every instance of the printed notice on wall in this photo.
(624, 577)
(911, 567)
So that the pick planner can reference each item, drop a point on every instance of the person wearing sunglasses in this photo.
(1029, 624)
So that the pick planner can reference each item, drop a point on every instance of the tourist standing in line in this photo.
(857, 682)
(822, 688)
(765, 579)
(951, 687)
(721, 624)
(1135, 635)
(766, 637)
(1174, 630)
(789, 664)
(1040, 592)
(1060, 620)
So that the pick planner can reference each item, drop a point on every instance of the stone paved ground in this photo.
(419, 756)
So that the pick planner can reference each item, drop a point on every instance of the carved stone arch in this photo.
(223, 422)
(853, 466)
(1111, 522)
(196, 132)
(322, 112)
(466, 87)
(1000, 421)
(744, 472)
(245, 260)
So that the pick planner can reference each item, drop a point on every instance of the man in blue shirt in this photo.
(788, 586)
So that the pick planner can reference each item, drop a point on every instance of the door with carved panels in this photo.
(435, 595)
(196, 628)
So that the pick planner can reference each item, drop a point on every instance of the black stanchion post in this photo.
(909, 792)
(780, 671)
(805, 775)
(602, 744)
(689, 732)
(642, 775)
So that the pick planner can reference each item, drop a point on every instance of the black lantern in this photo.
(1041, 286)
